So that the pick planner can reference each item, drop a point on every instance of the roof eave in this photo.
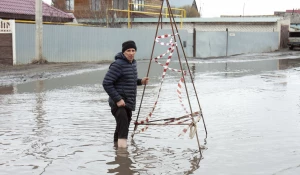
(32, 17)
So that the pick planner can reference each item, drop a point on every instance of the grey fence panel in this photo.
(190, 48)
(82, 44)
(214, 44)
(25, 43)
(210, 44)
(79, 44)
(252, 42)
(86, 44)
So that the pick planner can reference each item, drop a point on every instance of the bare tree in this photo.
(191, 11)
(59, 4)
(98, 14)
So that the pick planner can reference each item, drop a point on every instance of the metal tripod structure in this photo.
(190, 116)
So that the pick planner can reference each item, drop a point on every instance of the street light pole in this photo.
(39, 31)
(244, 10)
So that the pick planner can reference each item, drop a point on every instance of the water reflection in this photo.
(193, 70)
(238, 111)
(162, 159)
(288, 63)
(123, 162)
(195, 164)
(241, 68)
(40, 131)
(39, 110)
(192, 67)
(7, 90)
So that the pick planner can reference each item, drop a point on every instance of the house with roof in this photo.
(25, 10)
(97, 11)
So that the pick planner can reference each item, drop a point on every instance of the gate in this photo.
(7, 44)
(284, 36)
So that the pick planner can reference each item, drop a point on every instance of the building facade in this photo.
(293, 15)
(103, 9)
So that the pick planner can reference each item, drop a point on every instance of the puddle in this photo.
(251, 109)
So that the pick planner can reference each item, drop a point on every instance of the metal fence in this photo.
(82, 44)
(220, 44)
(63, 43)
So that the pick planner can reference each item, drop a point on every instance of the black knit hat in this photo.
(127, 45)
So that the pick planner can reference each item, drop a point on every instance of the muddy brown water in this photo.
(64, 125)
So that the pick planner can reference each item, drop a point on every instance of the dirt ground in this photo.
(30, 72)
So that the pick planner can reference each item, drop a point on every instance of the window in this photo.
(69, 4)
(120, 4)
(95, 5)
(138, 5)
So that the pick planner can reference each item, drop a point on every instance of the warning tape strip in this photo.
(166, 67)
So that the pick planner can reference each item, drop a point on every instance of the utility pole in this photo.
(39, 31)
(244, 10)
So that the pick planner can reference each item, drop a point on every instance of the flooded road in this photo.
(64, 125)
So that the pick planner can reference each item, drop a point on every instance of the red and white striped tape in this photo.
(179, 120)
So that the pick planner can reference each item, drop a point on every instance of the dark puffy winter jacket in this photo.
(121, 80)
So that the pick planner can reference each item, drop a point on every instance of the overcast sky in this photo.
(215, 8)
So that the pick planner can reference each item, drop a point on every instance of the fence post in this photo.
(39, 30)
(13, 34)
(194, 42)
(226, 41)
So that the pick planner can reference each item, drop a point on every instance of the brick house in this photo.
(97, 9)
(107, 12)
